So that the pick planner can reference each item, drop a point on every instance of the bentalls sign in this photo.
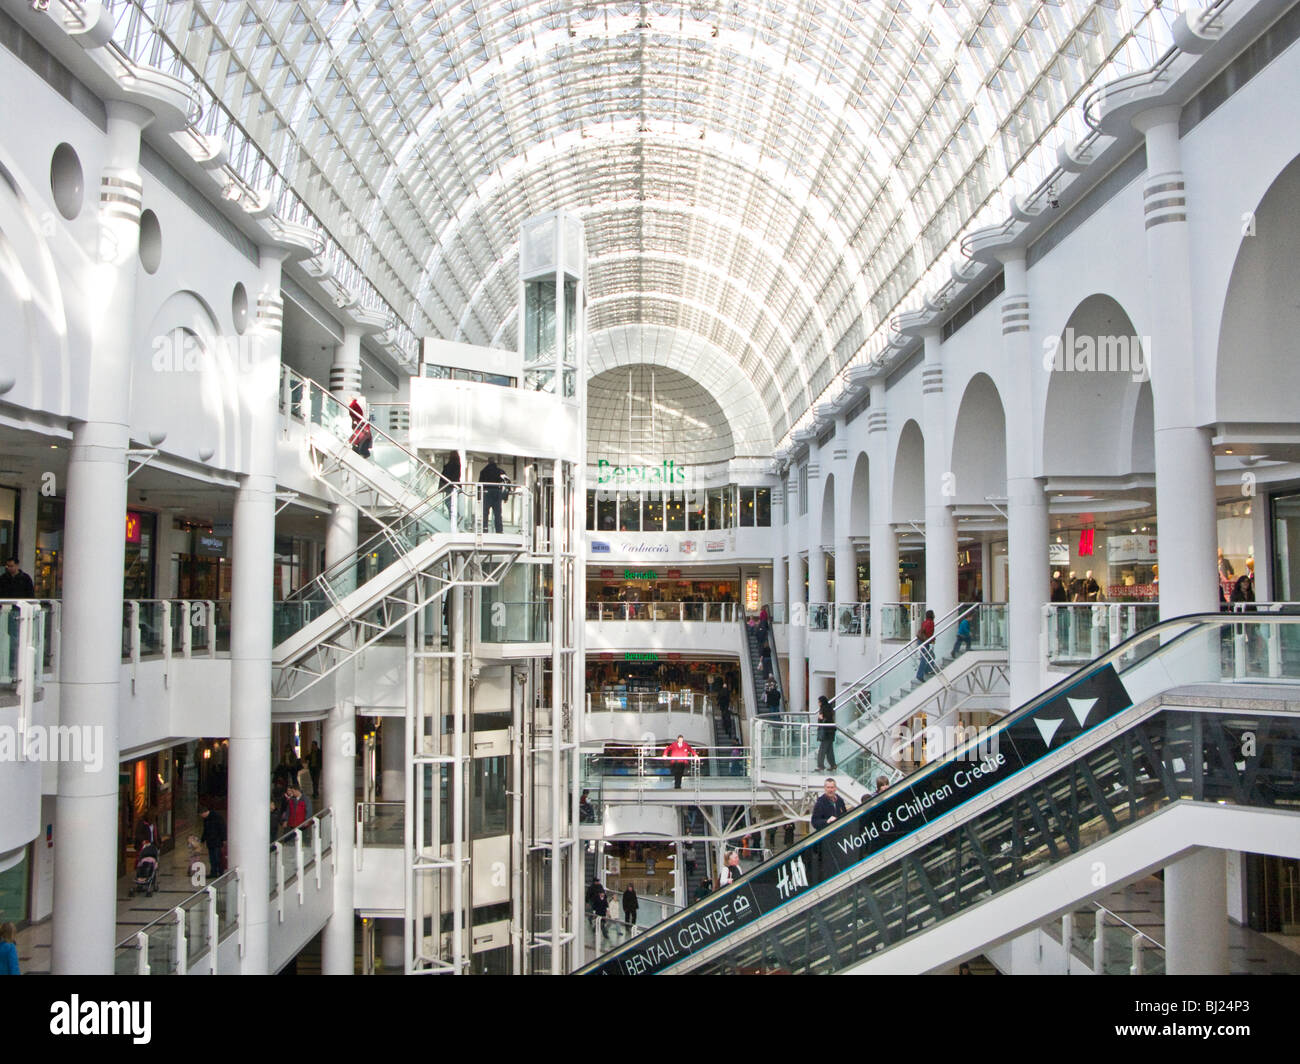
(666, 472)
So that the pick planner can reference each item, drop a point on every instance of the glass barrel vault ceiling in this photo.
(773, 178)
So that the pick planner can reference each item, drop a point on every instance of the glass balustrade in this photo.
(514, 622)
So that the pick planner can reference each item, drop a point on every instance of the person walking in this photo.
(678, 753)
(825, 734)
(829, 806)
(146, 831)
(963, 636)
(14, 583)
(600, 910)
(451, 476)
(765, 658)
(630, 904)
(495, 489)
(361, 438)
(314, 761)
(214, 837)
(724, 704)
(926, 638)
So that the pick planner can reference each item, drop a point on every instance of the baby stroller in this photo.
(146, 871)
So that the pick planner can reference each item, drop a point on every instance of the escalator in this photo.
(431, 538)
(1115, 752)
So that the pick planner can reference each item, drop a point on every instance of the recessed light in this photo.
(54, 447)
(1228, 451)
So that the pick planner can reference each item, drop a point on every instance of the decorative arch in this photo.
(979, 444)
(860, 496)
(1257, 373)
(909, 475)
(1097, 403)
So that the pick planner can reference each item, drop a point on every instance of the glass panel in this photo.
(629, 513)
(675, 511)
(606, 511)
(747, 519)
(652, 517)
(763, 507)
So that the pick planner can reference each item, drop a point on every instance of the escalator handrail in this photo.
(1178, 629)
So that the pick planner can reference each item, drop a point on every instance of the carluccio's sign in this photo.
(666, 472)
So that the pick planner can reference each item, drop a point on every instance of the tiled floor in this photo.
(1142, 904)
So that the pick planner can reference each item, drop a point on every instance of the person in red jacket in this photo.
(678, 754)
(926, 638)
(361, 435)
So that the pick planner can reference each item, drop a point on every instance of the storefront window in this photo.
(606, 511)
(763, 507)
(675, 512)
(8, 523)
(746, 508)
(695, 516)
(48, 576)
(1236, 555)
(652, 514)
(629, 514)
(716, 508)
(141, 532)
(1286, 548)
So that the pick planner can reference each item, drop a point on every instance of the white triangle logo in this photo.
(1047, 729)
(1082, 707)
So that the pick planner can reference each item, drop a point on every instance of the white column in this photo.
(345, 372)
(816, 569)
(85, 857)
(940, 526)
(1027, 524)
(1184, 456)
(339, 776)
(251, 606)
(884, 541)
(796, 690)
(1196, 914)
(846, 565)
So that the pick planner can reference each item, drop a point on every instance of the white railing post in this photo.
(142, 953)
(1047, 633)
(298, 863)
(318, 821)
(1274, 650)
(241, 910)
(56, 635)
(1067, 939)
(1136, 967)
(187, 630)
(357, 846)
(167, 641)
(1116, 631)
(1239, 652)
(214, 930)
(1099, 943)
(182, 967)
(210, 610)
(278, 849)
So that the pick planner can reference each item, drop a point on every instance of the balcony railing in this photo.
(675, 612)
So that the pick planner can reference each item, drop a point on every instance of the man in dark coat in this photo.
(493, 477)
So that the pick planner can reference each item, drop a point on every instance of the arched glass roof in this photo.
(774, 177)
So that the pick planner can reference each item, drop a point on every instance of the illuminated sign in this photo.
(751, 593)
(132, 527)
(638, 574)
(666, 472)
(633, 656)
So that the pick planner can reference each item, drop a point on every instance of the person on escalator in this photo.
(829, 807)
(825, 734)
(731, 870)
(926, 638)
(724, 704)
(361, 435)
(772, 697)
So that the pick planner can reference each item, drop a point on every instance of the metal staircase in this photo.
(430, 540)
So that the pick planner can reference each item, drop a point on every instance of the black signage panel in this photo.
(980, 765)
